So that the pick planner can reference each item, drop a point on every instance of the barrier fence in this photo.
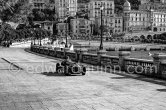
(153, 68)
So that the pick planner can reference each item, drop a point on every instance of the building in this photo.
(38, 4)
(81, 27)
(157, 5)
(144, 1)
(95, 5)
(62, 29)
(111, 25)
(83, 7)
(65, 8)
(47, 25)
(111, 22)
(42, 4)
(118, 27)
(143, 20)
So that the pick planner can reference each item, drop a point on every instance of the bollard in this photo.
(122, 56)
(99, 54)
(79, 54)
(158, 58)
(65, 51)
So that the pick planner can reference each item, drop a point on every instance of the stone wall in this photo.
(123, 62)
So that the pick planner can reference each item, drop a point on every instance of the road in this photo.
(38, 87)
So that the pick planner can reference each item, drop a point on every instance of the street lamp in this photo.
(31, 37)
(91, 25)
(40, 35)
(66, 45)
(34, 34)
(101, 42)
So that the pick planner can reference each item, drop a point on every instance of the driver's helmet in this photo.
(67, 57)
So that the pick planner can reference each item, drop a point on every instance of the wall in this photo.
(151, 68)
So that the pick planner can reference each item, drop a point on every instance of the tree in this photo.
(30, 18)
(7, 32)
(7, 13)
(41, 15)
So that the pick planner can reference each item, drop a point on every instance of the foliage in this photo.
(7, 32)
(30, 18)
(42, 15)
(7, 11)
(11, 34)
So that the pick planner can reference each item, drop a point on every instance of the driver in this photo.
(67, 61)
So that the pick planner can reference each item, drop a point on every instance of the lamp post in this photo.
(91, 25)
(40, 35)
(34, 33)
(101, 40)
(66, 45)
(31, 37)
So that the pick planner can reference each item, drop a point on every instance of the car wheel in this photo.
(60, 70)
(57, 66)
(83, 74)
(84, 70)
(67, 71)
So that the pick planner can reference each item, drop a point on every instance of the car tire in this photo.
(84, 70)
(57, 67)
(67, 72)
(60, 70)
(83, 74)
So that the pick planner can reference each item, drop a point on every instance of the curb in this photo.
(29, 51)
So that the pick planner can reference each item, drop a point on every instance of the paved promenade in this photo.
(37, 87)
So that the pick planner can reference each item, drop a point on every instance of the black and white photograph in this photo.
(82, 54)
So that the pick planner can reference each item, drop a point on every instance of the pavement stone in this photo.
(40, 89)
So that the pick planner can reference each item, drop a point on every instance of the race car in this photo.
(70, 68)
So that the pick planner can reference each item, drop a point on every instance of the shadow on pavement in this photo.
(140, 78)
(119, 77)
(56, 74)
(127, 77)
(52, 74)
(161, 90)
